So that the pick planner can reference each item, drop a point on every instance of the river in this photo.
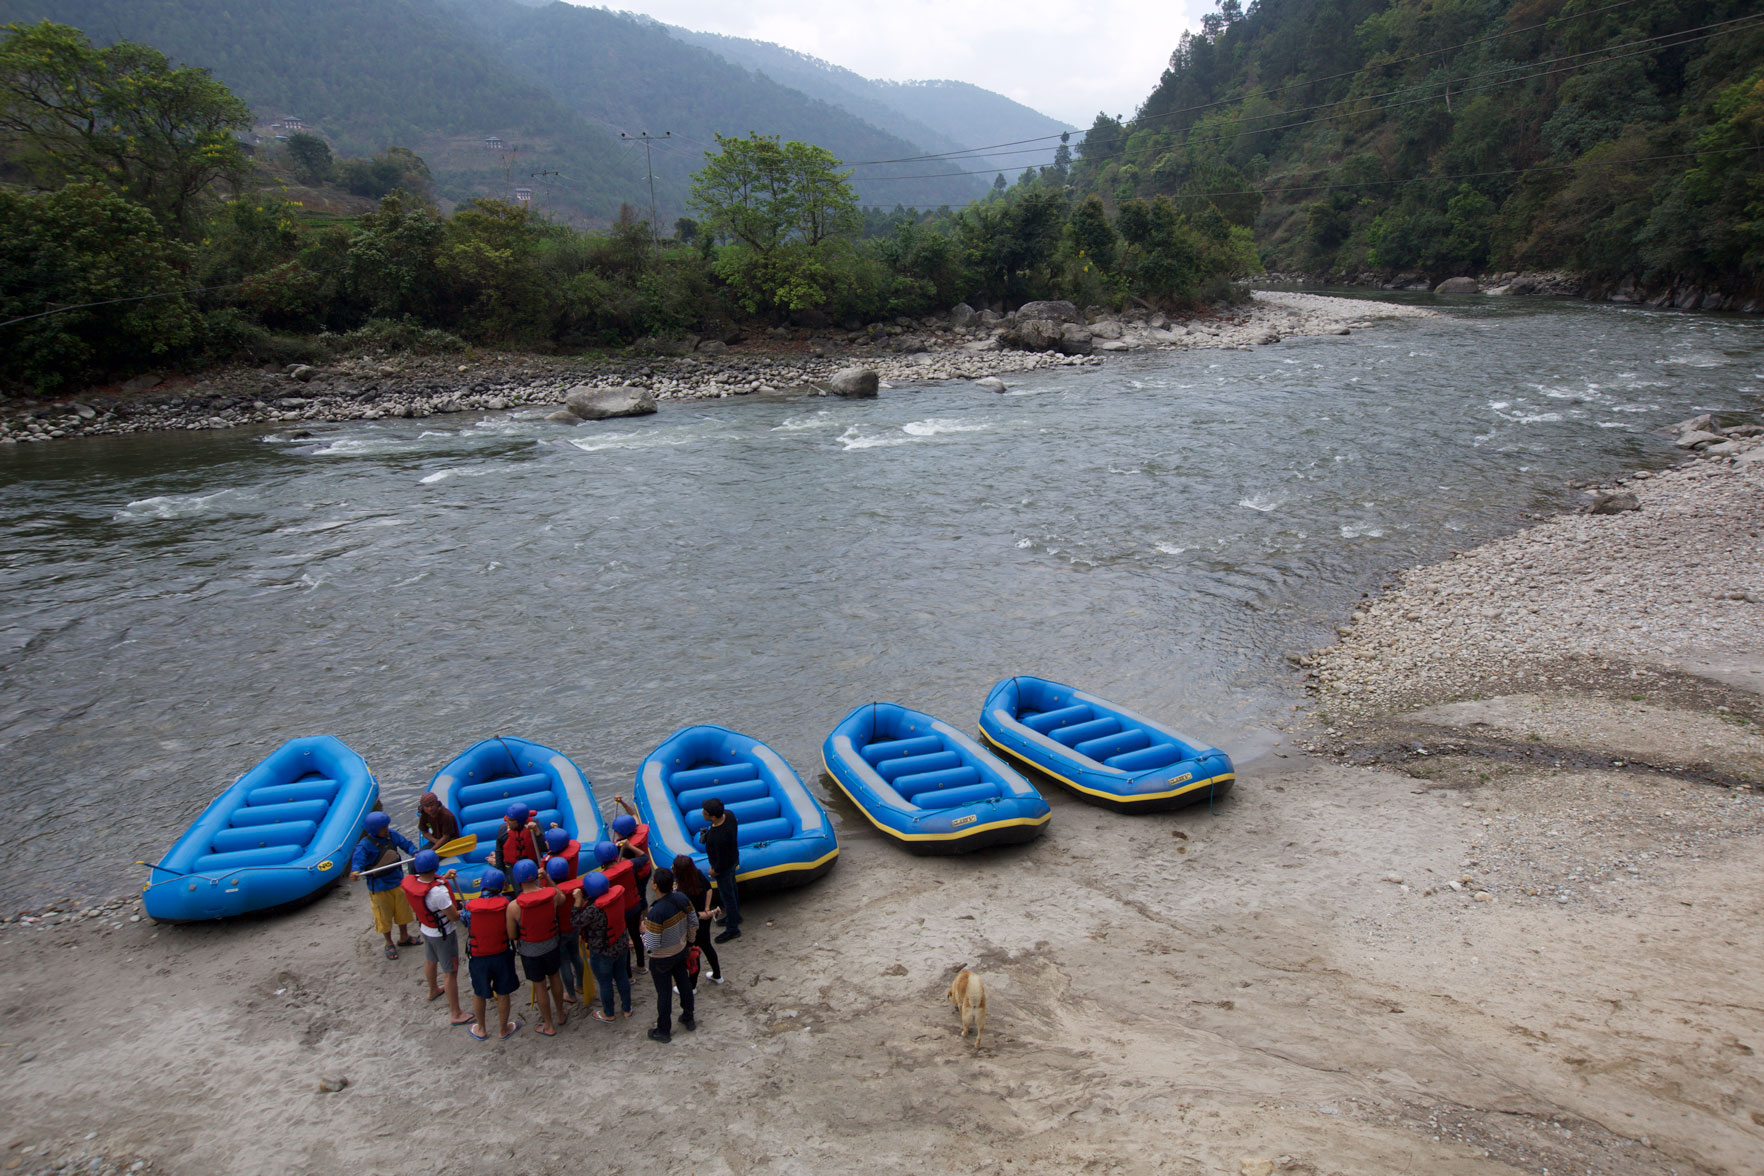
(1161, 530)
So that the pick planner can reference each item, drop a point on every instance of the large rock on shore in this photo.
(1059, 310)
(1033, 334)
(854, 381)
(1076, 340)
(961, 315)
(1457, 286)
(597, 404)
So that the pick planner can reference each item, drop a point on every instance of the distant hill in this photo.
(942, 115)
(491, 91)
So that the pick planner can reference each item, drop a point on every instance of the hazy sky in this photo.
(1066, 58)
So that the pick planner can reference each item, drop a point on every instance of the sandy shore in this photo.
(1505, 918)
(398, 385)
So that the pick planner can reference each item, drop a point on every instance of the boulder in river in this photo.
(1057, 309)
(1457, 286)
(990, 384)
(1697, 440)
(564, 416)
(1033, 334)
(597, 404)
(854, 381)
(1106, 329)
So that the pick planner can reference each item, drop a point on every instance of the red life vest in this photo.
(639, 841)
(519, 844)
(417, 891)
(569, 854)
(622, 876)
(538, 914)
(612, 905)
(489, 926)
(569, 889)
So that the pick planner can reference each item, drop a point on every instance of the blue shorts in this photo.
(494, 975)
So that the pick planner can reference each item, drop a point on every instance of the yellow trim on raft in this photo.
(899, 836)
(787, 868)
(1099, 793)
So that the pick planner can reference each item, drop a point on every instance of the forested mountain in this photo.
(555, 84)
(1619, 139)
(940, 115)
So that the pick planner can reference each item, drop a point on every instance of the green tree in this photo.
(311, 157)
(394, 169)
(122, 117)
(781, 208)
(79, 245)
(1092, 235)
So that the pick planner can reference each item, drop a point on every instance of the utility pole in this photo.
(540, 174)
(508, 160)
(646, 139)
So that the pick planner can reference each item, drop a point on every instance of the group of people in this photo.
(535, 903)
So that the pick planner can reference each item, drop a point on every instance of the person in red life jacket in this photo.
(559, 844)
(436, 907)
(621, 872)
(533, 923)
(608, 955)
(569, 943)
(633, 842)
(492, 957)
(517, 840)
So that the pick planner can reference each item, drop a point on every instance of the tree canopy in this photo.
(123, 117)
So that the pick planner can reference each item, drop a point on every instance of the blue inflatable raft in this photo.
(487, 777)
(1108, 755)
(275, 839)
(927, 785)
(783, 832)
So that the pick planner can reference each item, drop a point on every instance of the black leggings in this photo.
(706, 950)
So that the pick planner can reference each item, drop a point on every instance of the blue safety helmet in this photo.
(605, 852)
(596, 884)
(557, 868)
(525, 871)
(492, 881)
(378, 823)
(556, 839)
(518, 813)
(427, 861)
(624, 824)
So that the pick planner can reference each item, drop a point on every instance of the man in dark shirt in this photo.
(725, 857)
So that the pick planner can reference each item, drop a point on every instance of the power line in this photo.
(1720, 27)
(1275, 90)
(646, 139)
(251, 281)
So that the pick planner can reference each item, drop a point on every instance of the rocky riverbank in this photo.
(1628, 290)
(965, 345)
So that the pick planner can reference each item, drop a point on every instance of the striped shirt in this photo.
(669, 926)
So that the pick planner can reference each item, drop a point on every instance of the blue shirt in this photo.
(368, 851)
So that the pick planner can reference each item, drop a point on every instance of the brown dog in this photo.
(969, 997)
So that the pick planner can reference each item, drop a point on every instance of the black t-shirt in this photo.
(720, 847)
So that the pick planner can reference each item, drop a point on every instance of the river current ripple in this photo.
(1161, 530)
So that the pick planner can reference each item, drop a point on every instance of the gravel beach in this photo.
(783, 361)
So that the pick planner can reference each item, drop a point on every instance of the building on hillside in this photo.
(293, 122)
(523, 195)
(493, 142)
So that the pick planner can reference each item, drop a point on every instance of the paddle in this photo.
(458, 847)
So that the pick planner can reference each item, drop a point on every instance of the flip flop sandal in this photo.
(391, 952)
(409, 942)
(513, 1029)
(475, 1034)
(472, 1021)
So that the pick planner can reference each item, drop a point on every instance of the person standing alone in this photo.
(724, 855)
(668, 930)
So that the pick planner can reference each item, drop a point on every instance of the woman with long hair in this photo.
(695, 886)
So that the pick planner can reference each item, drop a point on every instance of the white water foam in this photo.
(932, 426)
(819, 419)
(459, 472)
(1261, 502)
(645, 440)
(172, 506)
(1362, 531)
(851, 439)
(1170, 548)
(362, 447)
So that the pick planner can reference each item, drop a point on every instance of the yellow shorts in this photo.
(391, 909)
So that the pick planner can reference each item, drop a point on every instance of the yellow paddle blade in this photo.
(458, 847)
